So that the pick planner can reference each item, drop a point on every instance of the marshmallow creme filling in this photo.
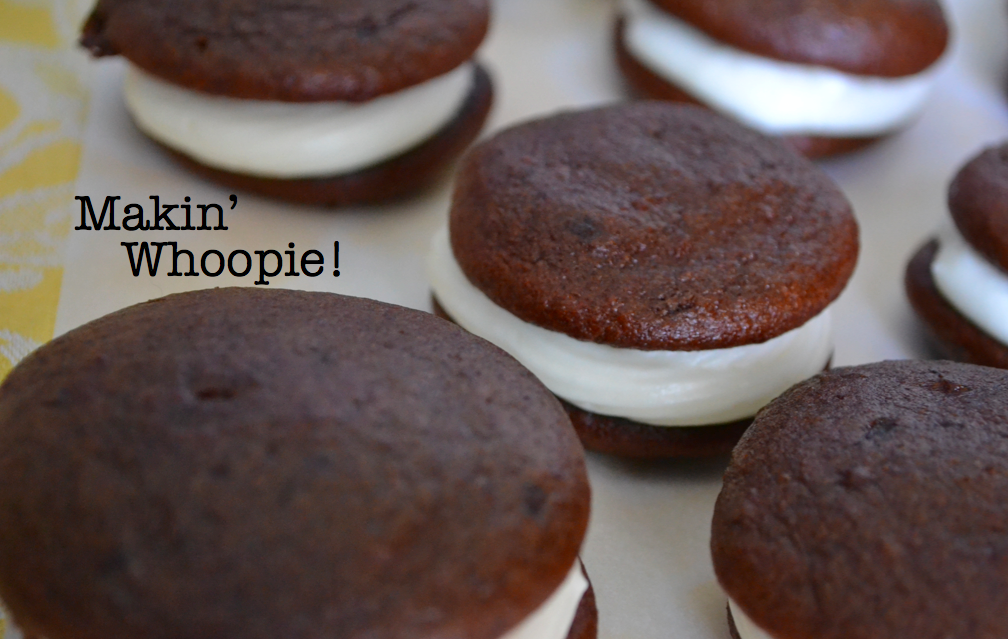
(972, 285)
(660, 388)
(274, 139)
(551, 620)
(776, 97)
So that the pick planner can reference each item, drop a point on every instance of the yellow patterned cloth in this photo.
(43, 105)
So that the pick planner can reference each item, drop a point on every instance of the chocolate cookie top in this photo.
(305, 50)
(888, 38)
(978, 201)
(264, 464)
(869, 502)
(653, 226)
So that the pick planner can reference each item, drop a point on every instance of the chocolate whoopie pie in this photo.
(314, 101)
(869, 502)
(663, 270)
(958, 281)
(267, 463)
(829, 76)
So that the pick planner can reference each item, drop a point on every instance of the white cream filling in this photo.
(745, 626)
(293, 139)
(662, 388)
(553, 618)
(770, 95)
(974, 286)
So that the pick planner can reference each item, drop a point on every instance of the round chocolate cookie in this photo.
(869, 502)
(651, 226)
(398, 177)
(978, 202)
(268, 463)
(626, 438)
(652, 245)
(886, 38)
(303, 51)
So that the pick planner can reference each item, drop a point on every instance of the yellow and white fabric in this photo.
(43, 105)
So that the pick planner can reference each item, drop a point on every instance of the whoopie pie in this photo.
(313, 101)
(958, 281)
(267, 463)
(827, 75)
(664, 271)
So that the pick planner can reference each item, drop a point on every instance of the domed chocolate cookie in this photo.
(651, 263)
(263, 464)
(316, 101)
(868, 502)
(827, 75)
(958, 282)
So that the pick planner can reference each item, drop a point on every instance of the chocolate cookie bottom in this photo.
(627, 438)
(394, 178)
(649, 84)
(952, 335)
(585, 624)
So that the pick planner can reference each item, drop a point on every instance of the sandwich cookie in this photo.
(315, 101)
(264, 464)
(958, 282)
(828, 75)
(663, 270)
(869, 502)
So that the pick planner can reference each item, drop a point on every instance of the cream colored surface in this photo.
(293, 139)
(770, 95)
(974, 286)
(662, 388)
